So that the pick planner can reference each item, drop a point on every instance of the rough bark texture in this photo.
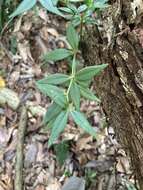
(119, 42)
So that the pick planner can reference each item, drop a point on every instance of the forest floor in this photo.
(101, 164)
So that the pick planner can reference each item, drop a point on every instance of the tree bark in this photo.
(118, 41)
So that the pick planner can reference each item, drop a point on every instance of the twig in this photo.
(19, 152)
(100, 184)
(5, 27)
(111, 182)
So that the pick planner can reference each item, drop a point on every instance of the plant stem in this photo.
(81, 28)
(72, 75)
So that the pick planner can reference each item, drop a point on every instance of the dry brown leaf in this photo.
(6, 182)
(140, 35)
(71, 133)
(53, 32)
(43, 15)
(83, 159)
(10, 97)
(83, 143)
(13, 135)
(3, 137)
(123, 165)
(2, 83)
(40, 154)
(27, 26)
(14, 77)
(44, 33)
(54, 185)
(2, 121)
(31, 154)
(1, 188)
(18, 24)
(35, 110)
(40, 187)
(24, 51)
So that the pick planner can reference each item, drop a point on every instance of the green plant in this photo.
(6, 8)
(62, 151)
(90, 177)
(64, 90)
(129, 185)
(79, 12)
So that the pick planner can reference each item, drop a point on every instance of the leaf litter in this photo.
(90, 163)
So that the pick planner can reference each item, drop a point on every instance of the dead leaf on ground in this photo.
(53, 32)
(10, 97)
(43, 15)
(40, 187)
(31, 155)
(6, 182)
(83, 143)
(2, 83)
(74, 183)
(24, 51)
(54, 185)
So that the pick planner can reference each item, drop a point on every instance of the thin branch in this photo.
(19, 152)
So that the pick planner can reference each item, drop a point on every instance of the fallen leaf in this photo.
(18, 24)
(3, 137)
(6, 182)
(10, 97)
(83, 143)
(101, 165)
(53, 32)
(31, 154)
(74, 183)
(2, 121)
(2, 83)
(24, 51)
(40, 187)
(54, 185)
(35, 110)
(43, 15)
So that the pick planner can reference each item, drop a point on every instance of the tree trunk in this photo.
(118, 41)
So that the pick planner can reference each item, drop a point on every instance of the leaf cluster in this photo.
(66, 90)
(77, 11)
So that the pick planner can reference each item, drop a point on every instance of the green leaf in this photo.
(100, 4)
(51, 113)
(48, 126)
(86, 93)
(57, 54)
(82, 8)
(58, 127)
(49, 5)
(62, 152)
(75, 95)
(88, 72)
(82, 122)
(84, 84)
(25, 5)
(72, 37)
(76, 20)
(89, 3)
(55, 93)
(66, 10)
(54, 79)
